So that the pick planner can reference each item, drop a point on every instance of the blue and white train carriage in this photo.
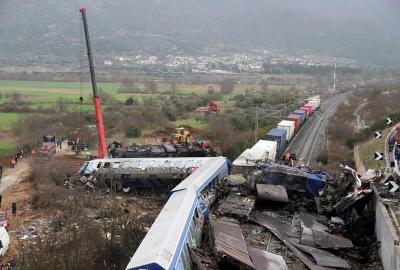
(181, 220)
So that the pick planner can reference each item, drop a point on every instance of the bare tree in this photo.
(227, 86)
(222, 131)
(173, 85)
(150, 86)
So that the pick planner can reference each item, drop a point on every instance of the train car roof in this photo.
(199, 178)
(166, 236)
(149, 162)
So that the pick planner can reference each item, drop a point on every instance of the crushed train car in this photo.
(295, 180)
(196, 149)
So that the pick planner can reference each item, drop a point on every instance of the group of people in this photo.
(18, 156)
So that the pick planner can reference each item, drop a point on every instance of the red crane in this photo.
(102, 149)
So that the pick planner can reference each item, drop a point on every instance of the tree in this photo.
(133, 132)
(130, 101)
(222, 131)
(210, 90)
(264, 85)
(150, 86)
(227, 86)
(128, 83)
(173, 86)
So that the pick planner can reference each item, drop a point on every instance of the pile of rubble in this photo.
(262, 224)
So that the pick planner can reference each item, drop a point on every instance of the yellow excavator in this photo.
(181, 135)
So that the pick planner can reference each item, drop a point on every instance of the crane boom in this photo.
(102, 148)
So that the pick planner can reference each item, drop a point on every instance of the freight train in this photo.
(286, 129)
(277, 139)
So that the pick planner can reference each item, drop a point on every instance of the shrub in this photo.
(133, 132)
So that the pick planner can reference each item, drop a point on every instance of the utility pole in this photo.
(334, 79)
(256, 127)
(285, 108)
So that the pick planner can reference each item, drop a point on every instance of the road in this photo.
(360, 124)
(312, 136)
(12, 176)
(389, 153)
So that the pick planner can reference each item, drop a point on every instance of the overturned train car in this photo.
(181, 220)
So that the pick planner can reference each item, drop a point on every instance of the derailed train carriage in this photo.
(181, 220)
(127, 173)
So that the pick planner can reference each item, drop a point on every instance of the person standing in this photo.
(14, 208)
(13, 162)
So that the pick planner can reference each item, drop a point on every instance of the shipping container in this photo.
(289, 126)
(302, 115)
(307, 111)
(266, 149)
(297, 120)
(278, 135)
(315, 102)
(310, 106)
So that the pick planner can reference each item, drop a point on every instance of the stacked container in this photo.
(289, 126)
(266, 150)
(307, 110)
(302, 115)
(315, 101)
(311, 106)
(278, 135)
(296, 119)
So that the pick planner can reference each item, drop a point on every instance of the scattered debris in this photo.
(272, 192)
(322, 257)
(235, 180)
(237, 205)
(229, 242)
(278, 229)
(201, 261)
(264, 260)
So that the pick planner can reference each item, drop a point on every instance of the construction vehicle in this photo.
(102, 147)
(48, 149)
(181, 135)
(211, 108)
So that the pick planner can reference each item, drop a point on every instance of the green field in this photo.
(47, 94)
(194, 123)
(368, 149)
(6, 146)
(7, 119)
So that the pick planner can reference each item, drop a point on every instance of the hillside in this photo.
(359, 29)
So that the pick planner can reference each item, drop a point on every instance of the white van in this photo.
(4, 241)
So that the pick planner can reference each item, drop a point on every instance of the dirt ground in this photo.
(17, 186)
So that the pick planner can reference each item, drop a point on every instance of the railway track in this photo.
(307, 144)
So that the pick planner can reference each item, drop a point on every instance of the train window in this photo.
(145, 164)
(199, 163)
(188, 164)
(156, 164)
(116, 165)
(178, 164)
(99, 165)
(125, 164)
(107, 165)
(167, 164)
